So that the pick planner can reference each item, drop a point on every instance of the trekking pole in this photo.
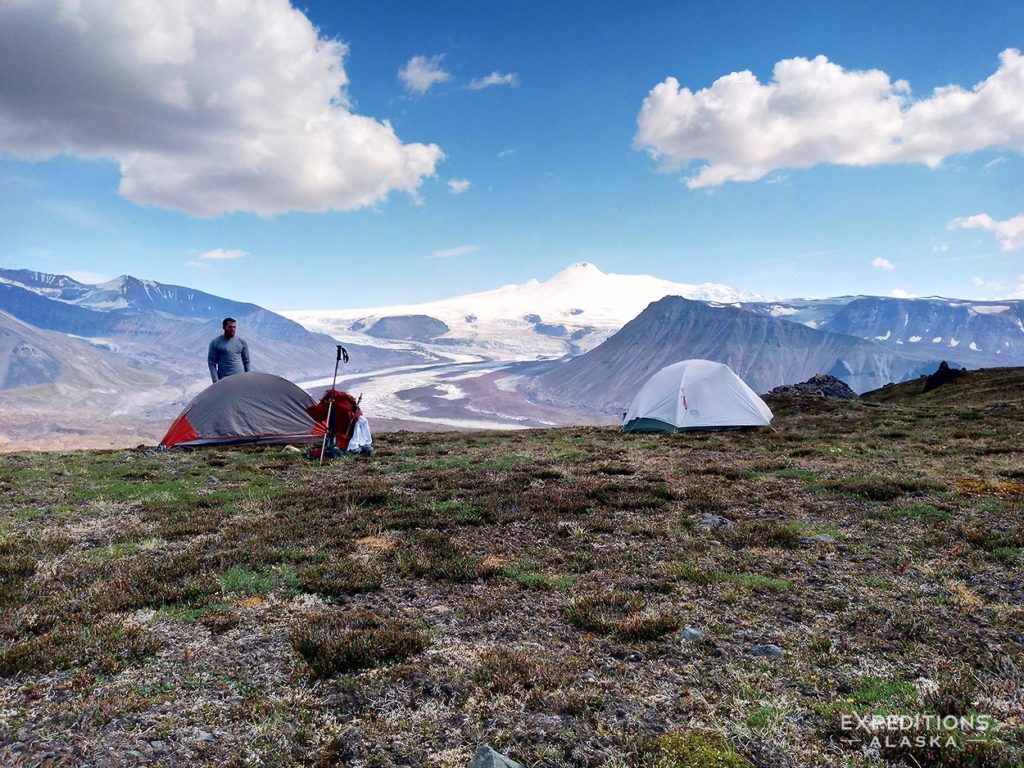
(323, 445)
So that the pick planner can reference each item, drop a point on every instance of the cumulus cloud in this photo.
(422, 73)
(206, 107)
(899, 293)
(1010, 232)
(458, 186)
(495, 78)
(449, 253)
(220, 254)
(505, 153)
(814, 111)
(881, 263)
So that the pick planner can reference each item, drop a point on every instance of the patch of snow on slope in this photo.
(777, 310)
(451, 392)
(989, 309)
(954, 342)
(973, 347)
(914, 339)
(884, 338)
(936, 340)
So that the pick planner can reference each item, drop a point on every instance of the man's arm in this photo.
(211, 360)
(245, 356)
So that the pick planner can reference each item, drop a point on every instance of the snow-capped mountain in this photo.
(980, 333)
(572, 312)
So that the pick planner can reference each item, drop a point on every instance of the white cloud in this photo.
(940, 248)
(461, 250)
(881, 263)
(220, 254)
(814, 111)
(505, 153)
(495, 78)
(1009, 232)
(422, 73)
(89, 278)
(458, 186)
(206, 107)
(988, 285)
(899, 293)
(995, 161)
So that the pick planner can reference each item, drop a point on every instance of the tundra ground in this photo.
(569, 596)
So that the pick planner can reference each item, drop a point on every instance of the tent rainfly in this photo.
(695, 394)
(252, 407)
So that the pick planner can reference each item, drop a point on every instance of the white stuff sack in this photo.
(361, 440)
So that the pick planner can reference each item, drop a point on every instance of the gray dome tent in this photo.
(695, 394)
(252, 407)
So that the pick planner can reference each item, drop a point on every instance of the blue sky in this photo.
(221, 162)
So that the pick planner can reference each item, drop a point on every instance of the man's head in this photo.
(230, 326)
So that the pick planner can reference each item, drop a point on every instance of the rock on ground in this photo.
(819, 385)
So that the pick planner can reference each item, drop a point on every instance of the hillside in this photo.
(573, 597)
(992, 387)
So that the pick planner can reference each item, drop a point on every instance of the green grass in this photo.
(925, 513)
(527, 574)
(239, 580)
(748, 581)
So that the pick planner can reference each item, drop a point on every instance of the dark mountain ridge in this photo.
(765, 351)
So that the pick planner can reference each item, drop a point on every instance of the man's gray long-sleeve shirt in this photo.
(226, 357)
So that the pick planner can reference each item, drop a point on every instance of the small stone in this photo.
(766, 650)
(711, 521)
(486, 757)
(134, 753)
(204, 736)
(692, 633)
(825, 538)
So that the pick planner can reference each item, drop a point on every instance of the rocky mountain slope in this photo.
(166, 327)
(764, 351)
(42, 369)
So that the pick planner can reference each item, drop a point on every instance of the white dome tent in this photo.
(695, 394)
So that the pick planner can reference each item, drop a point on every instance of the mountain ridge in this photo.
(764, 351)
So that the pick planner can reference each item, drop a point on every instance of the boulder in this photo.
(486, 757)
(819, 385)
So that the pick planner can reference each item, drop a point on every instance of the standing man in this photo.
(228, 354)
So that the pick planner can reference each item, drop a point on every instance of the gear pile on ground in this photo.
(819, 385)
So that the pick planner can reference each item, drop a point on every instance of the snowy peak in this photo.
(60, 287)
(579, 270)
(573, 311)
